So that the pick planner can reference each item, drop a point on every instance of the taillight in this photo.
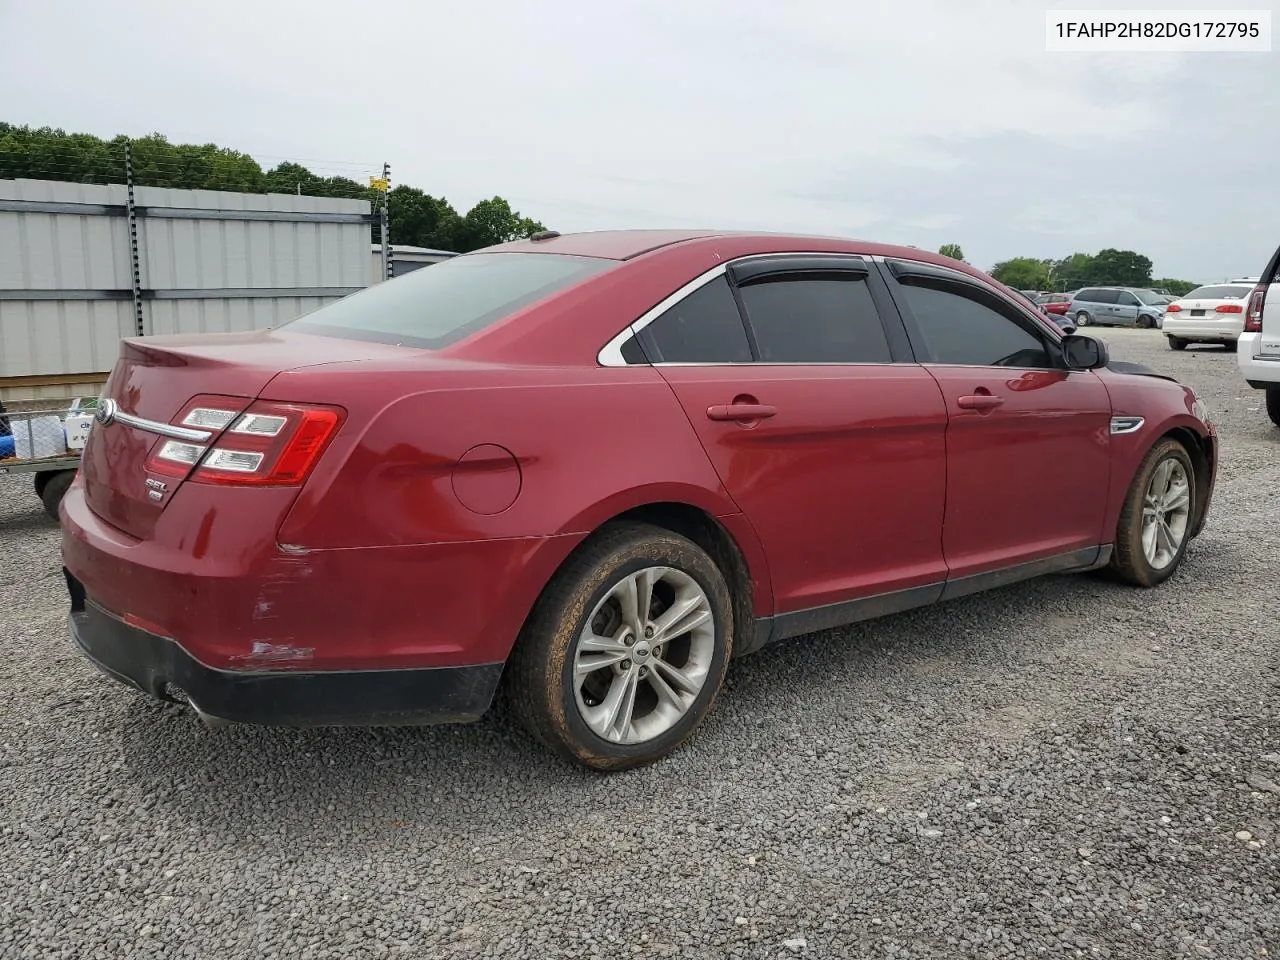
(269, 444)
(1253, 315)
(1173, 308)
(1228, 308)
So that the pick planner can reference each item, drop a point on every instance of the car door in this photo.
(1028, 462)
(1126, 308)
(832, 447)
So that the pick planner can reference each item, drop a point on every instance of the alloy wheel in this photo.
(1166, 513)
(644, 656)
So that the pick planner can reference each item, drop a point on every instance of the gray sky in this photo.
(903, 121)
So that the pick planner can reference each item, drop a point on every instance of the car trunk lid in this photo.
(157, 381)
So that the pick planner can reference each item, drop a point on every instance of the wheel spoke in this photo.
(1164, 537)
(681, 617)
(678, 678)
(1160, 479)
(644, 596)
(613, 716)
(1150, 530)
(594, 643)
(592, 663)
(666, 693)
(1179, 496)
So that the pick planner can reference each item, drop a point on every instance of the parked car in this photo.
(594, 468)
(1054, 303)
(1116, 307)
(1258, 349)
(1209, 314)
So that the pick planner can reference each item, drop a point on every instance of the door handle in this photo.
(981, 401)
(740, 411)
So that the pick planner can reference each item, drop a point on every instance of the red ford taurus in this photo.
(594, 468)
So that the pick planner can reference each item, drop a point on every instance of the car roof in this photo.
(630, 244)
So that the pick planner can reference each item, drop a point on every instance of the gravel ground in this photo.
(1062, 768)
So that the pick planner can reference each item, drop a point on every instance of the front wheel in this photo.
(625, 651)
(1151, 536)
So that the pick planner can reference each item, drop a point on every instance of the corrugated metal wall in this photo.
(208, 262)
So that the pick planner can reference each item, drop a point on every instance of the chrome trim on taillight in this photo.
(109, 412)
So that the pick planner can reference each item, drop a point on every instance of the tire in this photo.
(1230, 345)
(1130, 561)
(1083, 319)
(41, 480)
(55, 488)
(1177, 343)
(1145, 322)
(553, 702)
(1273, 404)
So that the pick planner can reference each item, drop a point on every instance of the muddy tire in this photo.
(1157, 517)
(55, 488)
(608, 680)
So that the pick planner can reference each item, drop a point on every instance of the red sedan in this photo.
(592, 469)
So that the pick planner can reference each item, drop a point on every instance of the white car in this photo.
(1259, 348)
(1208, 314)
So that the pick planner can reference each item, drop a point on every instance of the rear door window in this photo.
(803, 320)
(447, 301)
(704, 327)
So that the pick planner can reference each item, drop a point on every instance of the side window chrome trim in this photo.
(610, 354)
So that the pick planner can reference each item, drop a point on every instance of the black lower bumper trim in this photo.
(154, 665)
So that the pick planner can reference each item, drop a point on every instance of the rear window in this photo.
(443, 303)
(1220, 292)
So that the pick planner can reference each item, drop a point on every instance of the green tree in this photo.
(1022, 273)
(417, 218)
(1179, 288)
(492, 221)
(952, 250)
(422, 220)
(1121, 268)
(1073, 272)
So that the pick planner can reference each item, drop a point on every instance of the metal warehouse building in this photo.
(81, 266)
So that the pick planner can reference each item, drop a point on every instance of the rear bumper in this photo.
(161, 668)
(1259, 371)
(1195, 329)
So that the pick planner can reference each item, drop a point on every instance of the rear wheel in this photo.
(1177, 343)
(1230, 345)
(1151, 536)
(625, 651)
(55, 488)
(41, 479)
(1083, 319)
(1273, 404)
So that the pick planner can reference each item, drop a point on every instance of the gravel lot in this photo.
(1062, 768)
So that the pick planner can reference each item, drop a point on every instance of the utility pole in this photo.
(386, 221)
(135, 260)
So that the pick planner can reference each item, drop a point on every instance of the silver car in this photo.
(1117, 307)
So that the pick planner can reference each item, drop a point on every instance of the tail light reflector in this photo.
(1173, 308)
(1228, 308)
(1253, 315)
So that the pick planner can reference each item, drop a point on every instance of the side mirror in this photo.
(1083, 353)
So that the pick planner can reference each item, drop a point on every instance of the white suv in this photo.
(1259, 346)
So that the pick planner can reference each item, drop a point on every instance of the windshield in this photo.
(1219, 292)
(444, 302)
(1148, 296)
